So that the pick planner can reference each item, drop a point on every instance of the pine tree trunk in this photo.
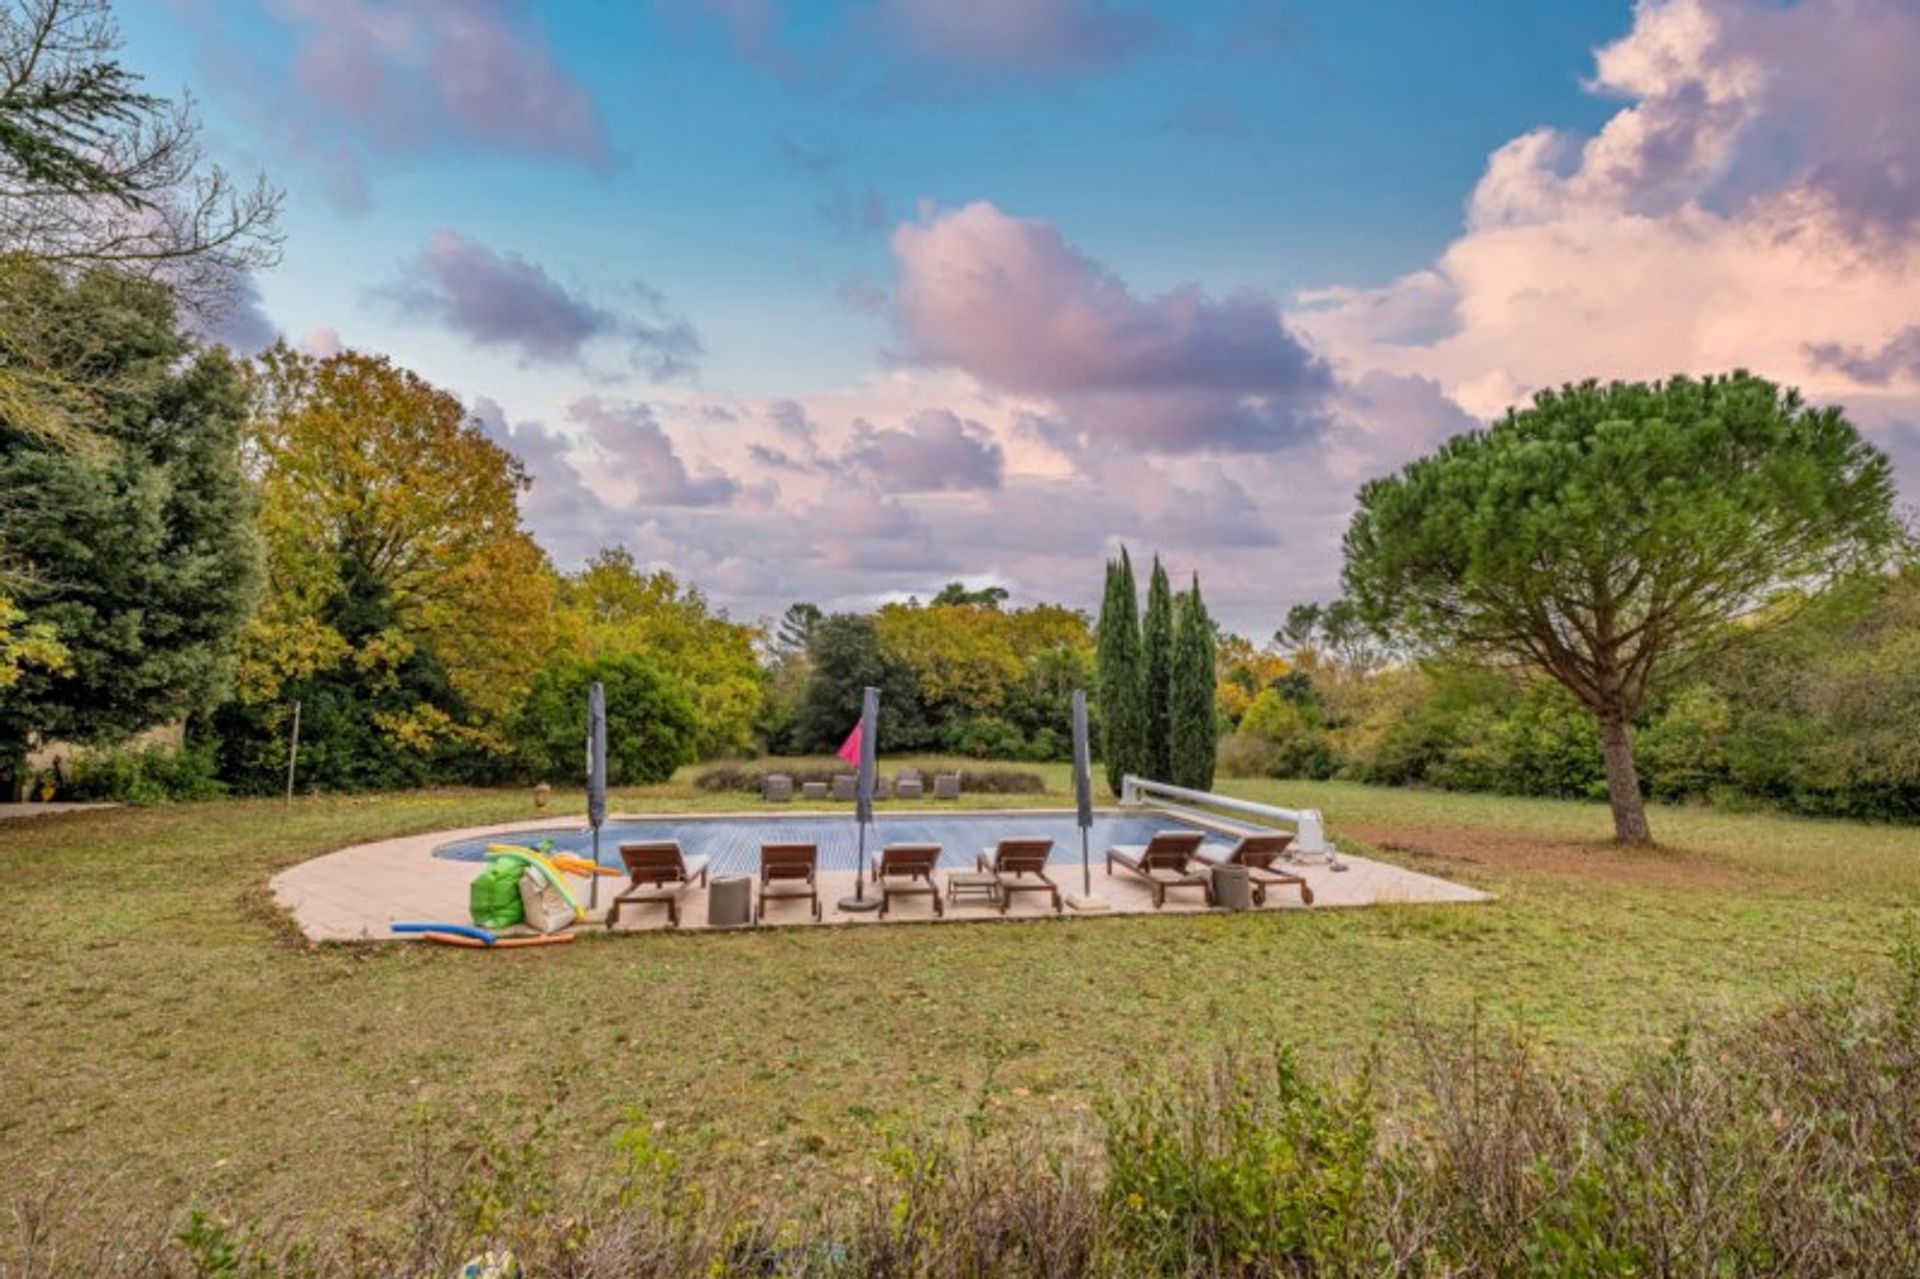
(1623, 781)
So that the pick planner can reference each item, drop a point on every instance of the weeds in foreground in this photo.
(1790, 1146)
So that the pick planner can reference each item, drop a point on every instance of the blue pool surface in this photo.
(733, 843)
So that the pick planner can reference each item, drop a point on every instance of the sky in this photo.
(840, 302)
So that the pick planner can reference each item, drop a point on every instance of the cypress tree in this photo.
(1191, 715)
(1156, 659)
(1117, 674)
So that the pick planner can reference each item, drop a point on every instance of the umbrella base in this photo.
(857, 905)
(1089, 905)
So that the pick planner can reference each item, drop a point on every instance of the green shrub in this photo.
(1300, 742)
(651, 725)
(1248, 755)
(747, 778)
(1684, 750)
(1250, 1171)
(985, 737)
(145, 775)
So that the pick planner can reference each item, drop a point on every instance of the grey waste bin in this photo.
(1232, 888)
(729, 901)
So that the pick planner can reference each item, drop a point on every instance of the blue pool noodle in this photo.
(463, 930)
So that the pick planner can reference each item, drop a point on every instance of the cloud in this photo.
(1898, 357)
(1013, 36)
(570, 521)
(1728, 98)
(643, 458)
(472, 69)
(1750, 204)
(237, 320)
(919, 46)
(1009, 301)
(323, 343)
(1717, 219)
(502, 299)
(403, 77)
(936, 451)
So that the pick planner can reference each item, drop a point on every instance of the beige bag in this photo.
(547, 910)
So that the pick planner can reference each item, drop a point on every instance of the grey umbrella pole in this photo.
(863, 799)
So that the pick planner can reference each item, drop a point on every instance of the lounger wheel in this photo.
(1306, 895)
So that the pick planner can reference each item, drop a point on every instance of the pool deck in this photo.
(356, 894)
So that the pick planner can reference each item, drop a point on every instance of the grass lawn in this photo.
(170, 1036)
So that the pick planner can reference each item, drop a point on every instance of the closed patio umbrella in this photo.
(596, 777)
(863, 799)
(1083, 805)
(1082, 786)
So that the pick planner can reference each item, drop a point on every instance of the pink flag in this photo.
(850, 749)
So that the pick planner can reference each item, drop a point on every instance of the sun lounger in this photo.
(907, 784)
(657, 873)
(946, 786)
(788, 871)
(906, 870)
(1259, 854)
(776, 788)
(1020, 865)
(1166, 861)
(846, 788)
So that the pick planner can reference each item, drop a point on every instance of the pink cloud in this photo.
(1754, 202)
(405, 76)
(473, 67)
(1009, 301)
(643, 457)
(502, 299)
(1014, 35)
(936, 451)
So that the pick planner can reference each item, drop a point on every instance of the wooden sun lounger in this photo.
(1020, 865)
(657, 873)
(906, 870)
(1165, 861)
(788, 871)
(1259, 854)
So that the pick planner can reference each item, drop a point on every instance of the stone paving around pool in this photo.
(357, 893)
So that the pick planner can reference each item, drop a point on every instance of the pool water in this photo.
(733, 843)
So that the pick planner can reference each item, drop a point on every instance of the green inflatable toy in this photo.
(494, 898)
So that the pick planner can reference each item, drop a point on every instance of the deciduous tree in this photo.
(611, 608)
(367, 472)
(652, 726)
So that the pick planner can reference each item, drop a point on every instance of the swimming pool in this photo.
(733, 842)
